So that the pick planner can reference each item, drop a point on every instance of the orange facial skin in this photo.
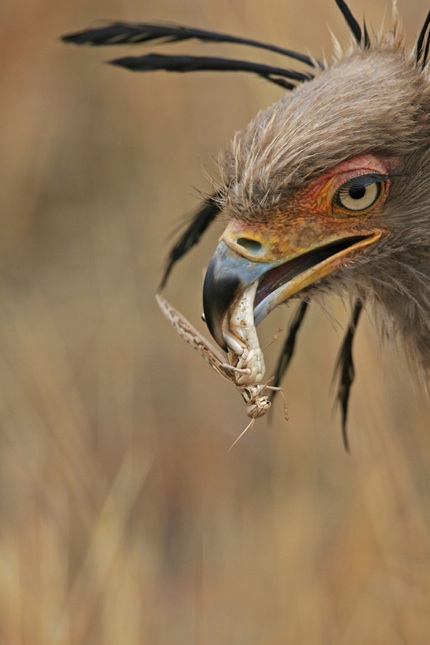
(317, 231)
(313, 218)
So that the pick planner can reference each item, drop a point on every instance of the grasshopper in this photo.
(257, 403)
(241, 339)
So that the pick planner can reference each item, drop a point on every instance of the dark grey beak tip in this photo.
(227, 275)
(218, 293)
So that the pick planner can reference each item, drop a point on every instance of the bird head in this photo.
(328, 189)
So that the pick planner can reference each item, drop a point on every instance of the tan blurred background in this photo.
(123, 518)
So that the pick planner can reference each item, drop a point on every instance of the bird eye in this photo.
(358, 194)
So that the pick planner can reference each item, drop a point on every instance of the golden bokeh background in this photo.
(123, 517)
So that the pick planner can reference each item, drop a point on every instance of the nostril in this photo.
(252, 246)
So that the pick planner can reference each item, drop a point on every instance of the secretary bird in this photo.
(326, 190)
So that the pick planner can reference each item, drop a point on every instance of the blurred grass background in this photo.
(123, 518)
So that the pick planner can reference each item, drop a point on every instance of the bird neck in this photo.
(404, 293)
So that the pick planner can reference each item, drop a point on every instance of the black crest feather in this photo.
(423, 43)
(351, 22)
(122, 33)
(192, 234)
(345, 369)
(366, 38)
(287, 351)
(173, 63)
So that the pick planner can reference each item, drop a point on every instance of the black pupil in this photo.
(357, 192)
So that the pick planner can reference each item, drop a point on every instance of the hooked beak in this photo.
(227, 275)
(241, 258)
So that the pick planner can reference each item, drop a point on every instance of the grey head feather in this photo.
(372, 100)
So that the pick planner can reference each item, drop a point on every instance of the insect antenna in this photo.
(248, 427)
(274, 339)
